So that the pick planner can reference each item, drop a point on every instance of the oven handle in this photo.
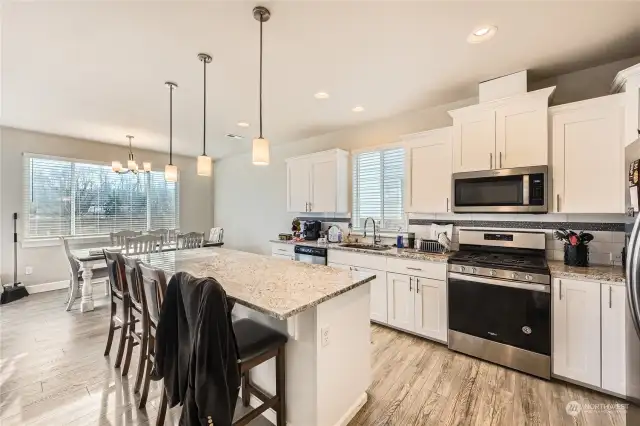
(524, 286)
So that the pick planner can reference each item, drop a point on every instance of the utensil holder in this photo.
(576, 255)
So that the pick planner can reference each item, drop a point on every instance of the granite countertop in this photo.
(392, 252)
(279, 288)
(603, 273)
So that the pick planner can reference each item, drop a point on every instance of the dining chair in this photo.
(216, 235)
(161, 232)
(154, 287)
(189, 240)
(119, 299)
(119, 239)
(136, 315)
(172, 235)
(143, 244)
(75, 275)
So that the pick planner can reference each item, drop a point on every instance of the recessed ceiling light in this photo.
(357, 109)
(482, 33)
(321, 95)
(242, 124)
(233, 136)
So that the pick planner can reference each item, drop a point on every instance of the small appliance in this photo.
(499, 298)
(311, 230)
(517, 190)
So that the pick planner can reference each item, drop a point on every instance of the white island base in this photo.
(326, 377)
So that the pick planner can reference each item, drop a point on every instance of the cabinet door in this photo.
(613, 338)
(378, 294)
(588, 157)
(522, 136)
(283, 256)
(431, 308)
(323, 184)
(474, 141)
(340, 266)
(297, 185)
(428, 171)
(576, 330)
(400, 301)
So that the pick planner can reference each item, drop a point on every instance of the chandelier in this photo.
(132, 166)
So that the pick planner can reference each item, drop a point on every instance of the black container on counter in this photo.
(576, 255)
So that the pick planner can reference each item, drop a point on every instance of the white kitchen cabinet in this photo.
(576, 330)
(431, 308)
(378, 290)
(613, 310)
(428, 168)
(283, 256)
(318, 182)
(588, 163)
(400, 301)
(505, 133)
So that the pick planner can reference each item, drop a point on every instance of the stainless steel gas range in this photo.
(500, 299)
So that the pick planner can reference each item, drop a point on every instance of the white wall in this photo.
(49, 263)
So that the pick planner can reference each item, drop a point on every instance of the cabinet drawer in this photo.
(286, 249)
(436, 271)
(357, 259)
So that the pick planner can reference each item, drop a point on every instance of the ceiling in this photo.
(96, 70)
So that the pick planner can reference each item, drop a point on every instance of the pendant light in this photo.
(204, 162)
(171, 171)
(260, 144)
(132, 166)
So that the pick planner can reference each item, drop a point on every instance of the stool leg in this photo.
(281, 390)
(111, 329)
(130, 343)
(124, 331)
(162, 409)
(142, 360)
(246, 396)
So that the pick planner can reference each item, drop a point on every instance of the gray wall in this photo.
(49, 263)
(250, 201)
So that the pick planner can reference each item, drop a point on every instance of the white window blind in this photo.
(71, 198)
(378, 185)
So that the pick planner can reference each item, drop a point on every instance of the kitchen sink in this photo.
(366, 247)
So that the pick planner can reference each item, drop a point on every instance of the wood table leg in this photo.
(87, 290)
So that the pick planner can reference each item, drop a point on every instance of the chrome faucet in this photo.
(376, 240)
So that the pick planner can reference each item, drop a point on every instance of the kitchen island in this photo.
(325, 312)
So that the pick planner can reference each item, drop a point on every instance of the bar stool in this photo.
(119, 295)
(256, 344)
(136, 315)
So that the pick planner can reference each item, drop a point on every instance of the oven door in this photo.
(519, 190)
(512, 313)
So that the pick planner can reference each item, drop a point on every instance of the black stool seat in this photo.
(255, 339)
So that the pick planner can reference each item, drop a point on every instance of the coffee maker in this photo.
(311, 230)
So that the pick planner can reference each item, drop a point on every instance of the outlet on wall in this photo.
(324, 331)
(28, 270)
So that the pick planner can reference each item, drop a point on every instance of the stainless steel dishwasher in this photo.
(315, 255)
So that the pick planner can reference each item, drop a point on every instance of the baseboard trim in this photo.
(55, 285)
(353, 410)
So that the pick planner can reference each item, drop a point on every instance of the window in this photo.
(378, 186)
(69, 198)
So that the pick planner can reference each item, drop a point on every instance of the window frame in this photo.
(51, 240)
(386, 147)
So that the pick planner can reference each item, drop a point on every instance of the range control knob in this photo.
(528, 277)
(514, 275)
(492, 272)
(462, 269)
(473, 270)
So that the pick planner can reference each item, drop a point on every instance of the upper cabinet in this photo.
(318, 182)
(588, 156)
(505, 133)
(428, 171)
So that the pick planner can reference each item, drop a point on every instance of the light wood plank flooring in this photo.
(52, 372)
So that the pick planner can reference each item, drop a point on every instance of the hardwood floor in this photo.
(52, 372)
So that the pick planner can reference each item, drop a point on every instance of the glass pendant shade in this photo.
(170, 173)
(204, 166)
(261, 152)
(132, 165)
(146, 167)
(116, 166)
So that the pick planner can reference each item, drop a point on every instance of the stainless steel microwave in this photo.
(517, 190)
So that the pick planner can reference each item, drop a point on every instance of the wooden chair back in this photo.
(216, 235)
(143, 244)
(162, 232)
(119, 239)
(154, 286)
(134, 284)
(73, 264)
(115, 267)
(189, 240)
(171, 235)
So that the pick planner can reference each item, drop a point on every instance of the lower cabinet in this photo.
(418, 305)
(283, 256)
(588, 333)
(378, 291)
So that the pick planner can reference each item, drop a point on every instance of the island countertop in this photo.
(279, 288)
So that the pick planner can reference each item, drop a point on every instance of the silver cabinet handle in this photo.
(410, 282)
(501, 159)
(610, 290)
(491, 160)
(306, 207)
(310, 209)
(557, 202)
(560, 292)
(447, 203)
(414, 269)
(417, 285)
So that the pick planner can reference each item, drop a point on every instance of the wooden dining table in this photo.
(92, 258)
